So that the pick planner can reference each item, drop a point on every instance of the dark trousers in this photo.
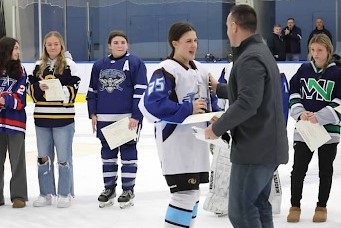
(15, 145)
(302, 158)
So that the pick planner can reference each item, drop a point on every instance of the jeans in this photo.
(249, 192)
(60, 138)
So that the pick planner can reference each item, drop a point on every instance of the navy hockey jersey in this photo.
(318, 91)
(12, 114)
(116, 86)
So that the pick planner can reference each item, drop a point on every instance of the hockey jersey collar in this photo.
(118, 58)
(321, 70)
(191, 63)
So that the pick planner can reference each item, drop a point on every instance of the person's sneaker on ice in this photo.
(64, 201)
(43, 201)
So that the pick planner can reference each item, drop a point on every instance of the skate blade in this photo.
(106, 204)
(124, 205)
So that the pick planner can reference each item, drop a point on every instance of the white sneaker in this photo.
(64, 201)
(43, 201)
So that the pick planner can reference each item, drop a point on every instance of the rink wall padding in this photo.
(84, 69)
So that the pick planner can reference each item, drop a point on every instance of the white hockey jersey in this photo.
(167, 102)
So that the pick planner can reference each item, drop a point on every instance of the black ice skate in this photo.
(105, 199)
(126, 199)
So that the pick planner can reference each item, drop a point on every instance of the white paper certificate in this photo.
(199, 133)
(204, 117)
(55, 91)
(118, 133)
(314, 135)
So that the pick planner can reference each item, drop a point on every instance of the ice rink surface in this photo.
(152, 194)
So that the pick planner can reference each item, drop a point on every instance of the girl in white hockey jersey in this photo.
(177, 89)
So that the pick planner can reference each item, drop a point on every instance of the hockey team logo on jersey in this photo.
(322, 89)
(7, 84)
(189, 97)
(111, 79)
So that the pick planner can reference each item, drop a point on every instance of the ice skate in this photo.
(105, 199)
(126, 199)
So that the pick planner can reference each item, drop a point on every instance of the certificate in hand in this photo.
(55, 91)
(314, 135)
(204, 117)
(199, 133)
(118, 133)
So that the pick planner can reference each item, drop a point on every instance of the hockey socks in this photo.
(182, 209)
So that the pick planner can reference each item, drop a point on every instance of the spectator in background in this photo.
(319, 23)
(276, 43)
(292, 36)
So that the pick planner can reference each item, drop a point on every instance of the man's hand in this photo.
(209, 134)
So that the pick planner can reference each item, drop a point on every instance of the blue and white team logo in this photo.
(111, 79)
(190, 97)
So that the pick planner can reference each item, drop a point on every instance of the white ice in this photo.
(152, 194)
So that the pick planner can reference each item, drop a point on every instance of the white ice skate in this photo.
(126, 199)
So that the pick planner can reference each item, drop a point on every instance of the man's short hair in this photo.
(244, 16)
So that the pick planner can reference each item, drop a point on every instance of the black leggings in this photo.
(302, 158)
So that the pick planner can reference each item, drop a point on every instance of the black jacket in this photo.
(316, 31)
(277, 47)
(255, 114)
(292, 40)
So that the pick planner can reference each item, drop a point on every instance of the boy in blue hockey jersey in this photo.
(116, 86)
(178, 89)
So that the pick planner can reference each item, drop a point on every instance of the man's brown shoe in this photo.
(320, 214)
(18, 203)
(294, 214)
